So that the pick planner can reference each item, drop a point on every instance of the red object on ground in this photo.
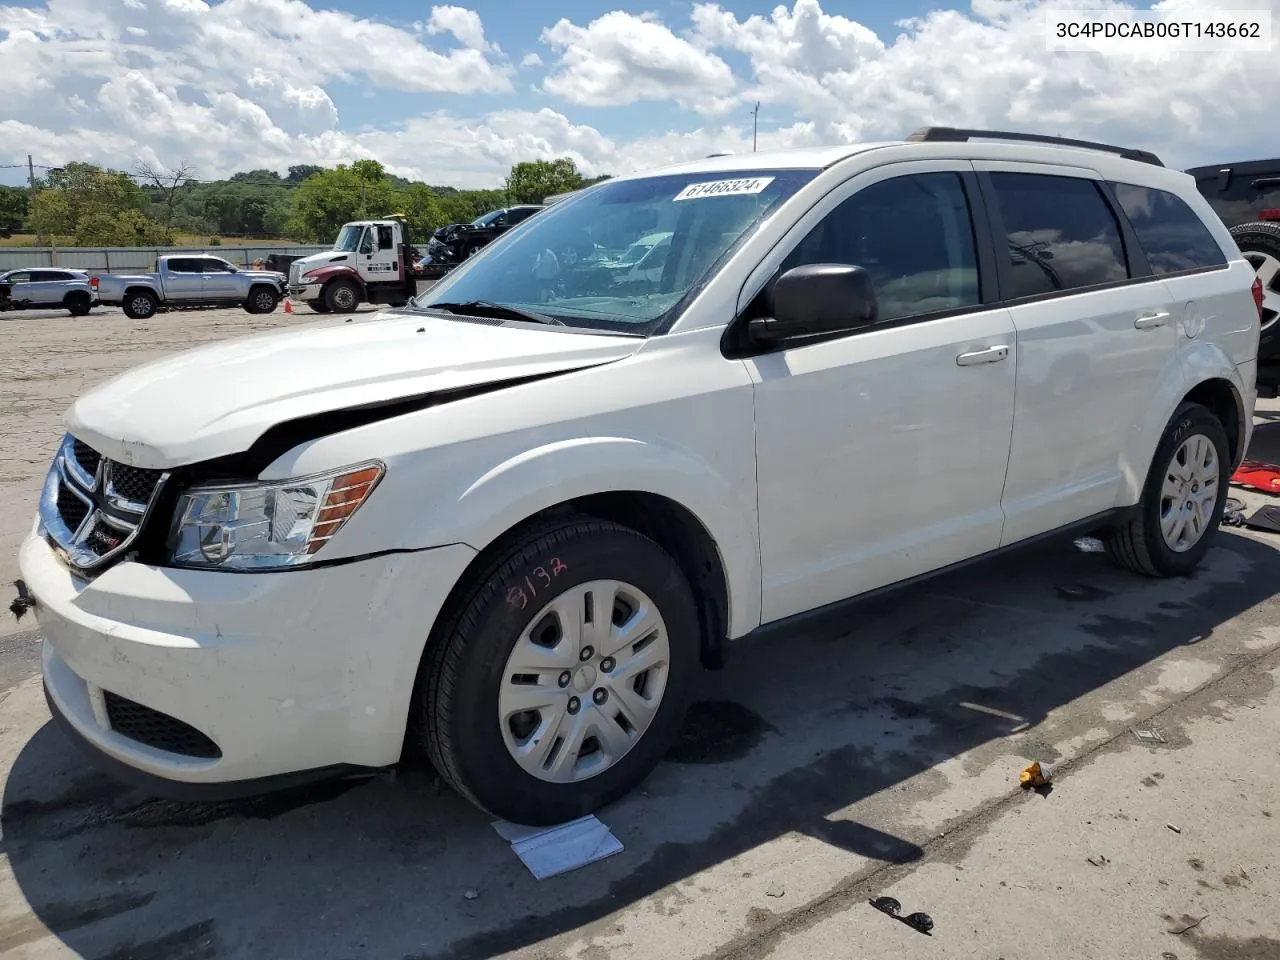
(1257, 475)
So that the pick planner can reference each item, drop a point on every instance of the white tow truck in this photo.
(372, 261)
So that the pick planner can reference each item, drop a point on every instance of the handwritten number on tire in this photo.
(534, 582)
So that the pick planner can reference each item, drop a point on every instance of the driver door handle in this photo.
(985, 355)
(1151, 319)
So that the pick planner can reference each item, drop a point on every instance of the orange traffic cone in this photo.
(288, 305)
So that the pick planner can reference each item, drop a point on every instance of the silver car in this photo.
(50, 288)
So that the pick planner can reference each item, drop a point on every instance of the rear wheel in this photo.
(1182, 499)
(77, 303)
(563, 676)
(341, 296)
(140, 304)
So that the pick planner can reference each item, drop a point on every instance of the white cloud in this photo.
(619, 59)
(464, 24)
(243, 84)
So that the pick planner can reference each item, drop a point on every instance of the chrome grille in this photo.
(295, 271)
(92, 508)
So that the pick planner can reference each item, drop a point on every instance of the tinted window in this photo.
(47, 276)
(1169, 232)
(186, 265)
(384, 236)
(914, 235)
(1061, 234)
(1244, 197)
(211, 265)
(22, 276)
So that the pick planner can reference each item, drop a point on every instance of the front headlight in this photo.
(256, 526)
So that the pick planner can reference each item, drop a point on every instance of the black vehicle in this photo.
(456, 242)
(1246, 196)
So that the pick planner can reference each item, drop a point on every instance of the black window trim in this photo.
(735, 345)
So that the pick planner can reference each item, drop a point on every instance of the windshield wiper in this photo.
(487, 308)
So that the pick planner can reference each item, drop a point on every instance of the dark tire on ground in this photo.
(319, 306)
(341, 296)
(1140, 544)
(456, 716)
(78, 303)
(140, 304)
(262, 299)
(473, 249)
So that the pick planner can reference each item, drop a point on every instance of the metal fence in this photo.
(133, 259)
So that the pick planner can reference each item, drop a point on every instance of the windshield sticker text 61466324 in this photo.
(743, 186)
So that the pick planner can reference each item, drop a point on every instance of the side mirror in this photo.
(815, 299)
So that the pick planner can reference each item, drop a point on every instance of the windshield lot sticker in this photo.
(743, 187)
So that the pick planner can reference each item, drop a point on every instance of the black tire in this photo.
(319, 306)
(473, 249)
(1139, 544)
(455, 714)
(262, 299)
(77, 303)
(341, 296)
(1256, 242)
(140, 304)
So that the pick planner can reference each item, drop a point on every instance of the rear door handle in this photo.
(1152, 319)
(985, 355)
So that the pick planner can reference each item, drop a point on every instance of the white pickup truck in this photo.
(186, 280)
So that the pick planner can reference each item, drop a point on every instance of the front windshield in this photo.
(348, 238)
(487, 219)
(622, 255)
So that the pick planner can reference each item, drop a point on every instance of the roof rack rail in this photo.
(954, 135)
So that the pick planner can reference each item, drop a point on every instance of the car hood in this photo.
(320, 260)
(273, 276)
(217, 400)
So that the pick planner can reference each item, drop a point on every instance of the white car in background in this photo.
(48, 288)
(508, 524)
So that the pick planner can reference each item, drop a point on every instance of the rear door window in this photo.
(49, 276)
(1170, 233)
(186, 265)
(1060, 234)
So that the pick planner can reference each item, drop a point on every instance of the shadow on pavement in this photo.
(798, 728)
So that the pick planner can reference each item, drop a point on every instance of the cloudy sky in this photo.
(454, 94)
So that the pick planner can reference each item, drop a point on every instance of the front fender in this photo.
(549, 475)
(1198, 362)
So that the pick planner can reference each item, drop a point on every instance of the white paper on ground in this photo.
(548, 851)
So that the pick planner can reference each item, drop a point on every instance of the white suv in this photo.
(506, 526)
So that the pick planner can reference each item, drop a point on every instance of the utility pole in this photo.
(755, 126)
(31, 181)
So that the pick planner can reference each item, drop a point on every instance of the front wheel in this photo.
(262, 300)
(342, 296)
(78, 304)
(563, 676)
(1182, 499)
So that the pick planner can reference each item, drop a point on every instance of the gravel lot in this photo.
(874, 754)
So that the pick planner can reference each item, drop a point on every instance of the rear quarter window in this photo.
(1171, 234)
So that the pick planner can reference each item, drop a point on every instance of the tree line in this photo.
(86, 205)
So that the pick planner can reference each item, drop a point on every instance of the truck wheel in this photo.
(1182, 500)
(342, 296)
(261, 300)
(77, 303)
(140, 304)
(563, 675)
(319, 306)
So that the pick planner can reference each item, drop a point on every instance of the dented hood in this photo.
(218, 399)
